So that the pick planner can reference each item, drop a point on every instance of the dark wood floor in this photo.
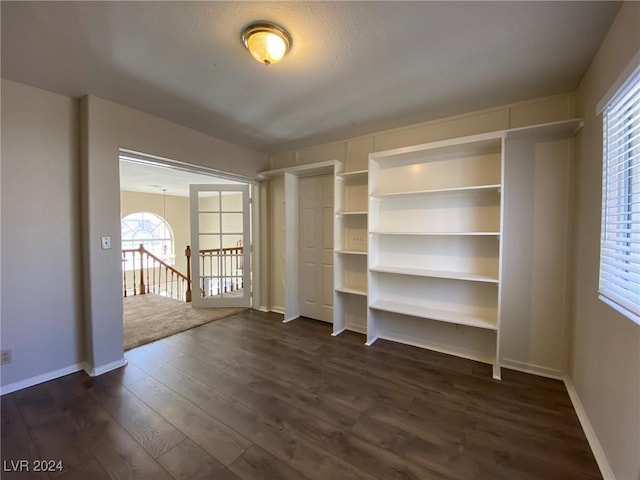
(249, 397)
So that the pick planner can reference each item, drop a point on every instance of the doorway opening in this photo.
(178, 268)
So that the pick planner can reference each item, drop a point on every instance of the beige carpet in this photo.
(152, 317)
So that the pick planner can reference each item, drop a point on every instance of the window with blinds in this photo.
(620, 241)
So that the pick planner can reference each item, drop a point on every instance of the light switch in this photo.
(106, 243)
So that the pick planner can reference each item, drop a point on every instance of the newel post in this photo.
(142, 287)
(187, 253)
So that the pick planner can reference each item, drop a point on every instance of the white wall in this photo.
(41, 251)
(106, 127)
(60, 193)
(536, 242)
(605, 365)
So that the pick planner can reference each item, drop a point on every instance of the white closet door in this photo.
(316, 247)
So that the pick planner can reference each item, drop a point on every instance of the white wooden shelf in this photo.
(352, 291)
(439, 233)
(352, 213)
(423, 272)
(547, 131)
(470, 189)
(472, 145)
(309, 170)
(350, 252)
(423, 311)
(358, 173)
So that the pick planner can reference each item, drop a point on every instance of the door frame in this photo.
(292, 227)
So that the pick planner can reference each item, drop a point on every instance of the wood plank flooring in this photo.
(251, 398)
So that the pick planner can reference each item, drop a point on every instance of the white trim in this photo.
(351, 328)
(263, 308)
(532, 369)
(615, 86)
(436, 347)
(277, 309)
(330, 322)
(594, 443)
(95, 371)
(308, 170)
(620, 309)
(546, 131)
(155, 160)
(440, 144)
(291, 247)
(254, 237)
(291, 225)
(45, 377)
(357, 329)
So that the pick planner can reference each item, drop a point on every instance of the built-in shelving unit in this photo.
(434, 239)
(457, 245)
(456, 239)
(350, 263)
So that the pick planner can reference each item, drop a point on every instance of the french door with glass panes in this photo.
(220, 245)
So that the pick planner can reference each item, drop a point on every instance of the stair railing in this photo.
(150, 274)
(221, 270)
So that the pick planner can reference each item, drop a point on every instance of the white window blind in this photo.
(620, 241)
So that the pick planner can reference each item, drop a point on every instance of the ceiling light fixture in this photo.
(266, 42)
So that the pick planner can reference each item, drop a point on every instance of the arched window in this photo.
(152, 231)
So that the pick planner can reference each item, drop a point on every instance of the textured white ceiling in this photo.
(355, 67)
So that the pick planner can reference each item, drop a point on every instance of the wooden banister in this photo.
(187, 253)
(141, 287)
(221, 271)
(176, 284)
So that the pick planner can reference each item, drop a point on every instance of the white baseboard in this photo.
(95, 371)
(357, 329)
(436, 347)
(263, 309)
(594, 443)
(45, 377)
(531, 368)
(279, 310)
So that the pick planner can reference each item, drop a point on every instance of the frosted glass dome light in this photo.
(266, 42)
